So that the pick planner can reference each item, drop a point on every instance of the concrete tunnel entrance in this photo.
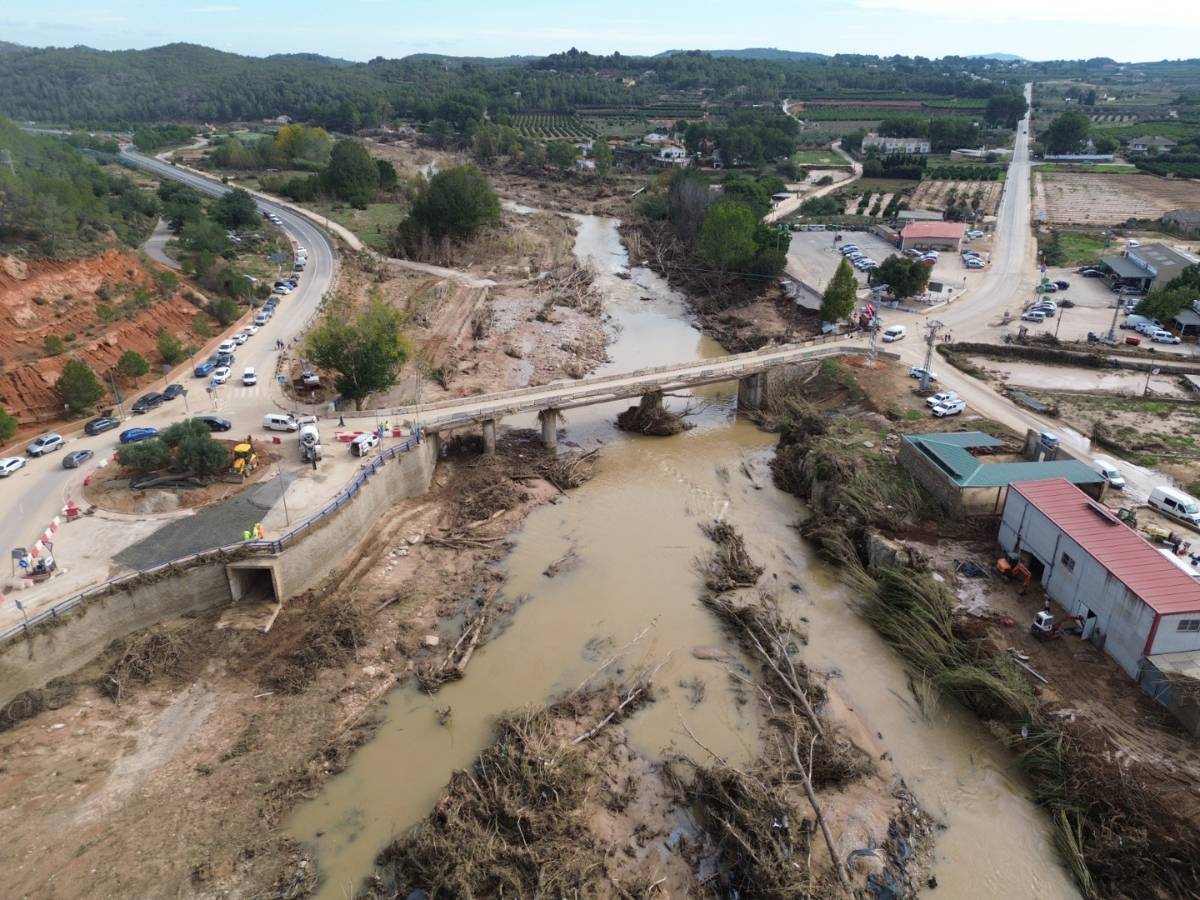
(257, 597)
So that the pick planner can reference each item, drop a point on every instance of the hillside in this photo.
(770, 53)
(57, 202)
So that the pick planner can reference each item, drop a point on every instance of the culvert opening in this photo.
(252, 584)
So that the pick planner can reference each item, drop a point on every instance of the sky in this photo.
(363, 29)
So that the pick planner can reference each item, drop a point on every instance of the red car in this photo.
(1135, 341)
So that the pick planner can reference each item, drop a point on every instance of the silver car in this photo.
(47, 443)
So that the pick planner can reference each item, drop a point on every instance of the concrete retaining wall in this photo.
(63, 647)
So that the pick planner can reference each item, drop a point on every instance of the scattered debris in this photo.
(729, 566)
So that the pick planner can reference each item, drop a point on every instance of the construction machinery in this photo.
(245, 461)
(310, 443)
(41, 569)
(1045, 628)
(1013, 569)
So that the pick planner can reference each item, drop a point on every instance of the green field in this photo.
(1095, 168)
(551, 127)
(373, 225)
(817, 158)
(1176, 131)
(1081, 248)
(624, 127)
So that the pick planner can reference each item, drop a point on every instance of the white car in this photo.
(283, 290)
(973, 262)
(919, 372)
(249, 379)
(240, 338)
(10, 464)
(221, 375)
(952, 408)
(931, 254)
(975, 234)
(941, 397)
(250, 330)
(227, 346)
(1164, 337)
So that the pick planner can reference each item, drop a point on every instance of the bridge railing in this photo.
(271, 547)
(723, 362)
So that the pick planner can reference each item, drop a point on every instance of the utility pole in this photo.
(871, 348)
(283, 493)
(1112, 328)
(930, 339)
(116, 395)
(1060, 315)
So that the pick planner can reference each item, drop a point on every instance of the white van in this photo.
(262, 319)
(1109, 472)
(1176, 504)
(279, 422)
(895, 333)
(362, 444)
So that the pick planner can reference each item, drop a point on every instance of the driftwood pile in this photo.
(139, 659)
(729, 565)
(571, 286)
(651, 417)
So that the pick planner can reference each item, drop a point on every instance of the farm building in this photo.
(918, 215)
(965, 485)
(1147, 267)
(890, 146)
(933, 236)
(671, 156)
(1184, 221)
(1140, 605)
(1151, 145)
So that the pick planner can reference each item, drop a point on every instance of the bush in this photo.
(456, 203)
(224, 310)
(53, 345)
(132, 364)
(8, 425)
(170, 348)
(145, 456)
(201, 326)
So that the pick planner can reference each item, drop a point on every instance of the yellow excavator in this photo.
(245, 460)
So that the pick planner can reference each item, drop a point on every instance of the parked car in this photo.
(251, 329)
(133, 435)
(950, 408)
(249, 378)
(1092, 273)
(1062, 284)
(100, 425)
(911, 253)
(76, 458)
(284, 289)
(1034, 315)
(941, 397)
(1135, 341)
(47, 443)
(10, 464)
(927, 260)
(221, 375)
(215, 423)
(974, 262)
(311, 379)
(171, 391)
(147, 402)
(1047, 311)
(224, 360)
(227, 346)
(240, 338)
(205, 368)
(1048, 287)
(974, 234)
(1175, 503)
(932, 253)
(1164, 337)
(894, 333)
(919, 372)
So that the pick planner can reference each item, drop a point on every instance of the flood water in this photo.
(634, 529)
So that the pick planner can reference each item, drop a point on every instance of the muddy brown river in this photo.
(634, 528)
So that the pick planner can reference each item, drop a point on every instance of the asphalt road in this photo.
(32, 496)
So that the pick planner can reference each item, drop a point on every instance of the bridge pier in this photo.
(489, 436)
(549, 420)
(752, 392)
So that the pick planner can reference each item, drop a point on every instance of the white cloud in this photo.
(1184, 13)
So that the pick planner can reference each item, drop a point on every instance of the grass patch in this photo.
(1094, 168)
(817, 158)
(372, 225)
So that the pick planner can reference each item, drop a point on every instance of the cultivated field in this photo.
(551, 127)
(932, 194)
(1073, 198)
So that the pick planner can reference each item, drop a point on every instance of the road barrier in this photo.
(266, 547)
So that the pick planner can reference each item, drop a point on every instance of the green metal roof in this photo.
(948, 451)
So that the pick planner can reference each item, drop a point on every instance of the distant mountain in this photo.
(469, 60)
(999, 57)
(770, 53)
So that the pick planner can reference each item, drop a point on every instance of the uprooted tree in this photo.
(366, 351)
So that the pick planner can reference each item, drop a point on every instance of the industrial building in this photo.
(1146, 268)
(1139, 604)
(965, 485)
(933, 236)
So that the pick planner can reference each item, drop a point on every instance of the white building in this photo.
(892, 146)
(671, 156)
(1134, 603)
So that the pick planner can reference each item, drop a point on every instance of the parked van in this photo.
(279, 422)
(1109, 472)
(362, 444)
(895, 333)
(1176, 504)
(1136, 322)
(262, 318)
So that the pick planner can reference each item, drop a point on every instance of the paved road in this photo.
(35, 494)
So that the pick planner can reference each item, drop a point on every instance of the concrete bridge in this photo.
(748, 369)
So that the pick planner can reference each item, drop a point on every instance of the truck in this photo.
(310, 443)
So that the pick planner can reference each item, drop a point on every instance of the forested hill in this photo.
(55, 201)
(79, 86)
(754, 53)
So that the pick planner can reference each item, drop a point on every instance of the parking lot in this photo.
(813, 258)
(1094, 305)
